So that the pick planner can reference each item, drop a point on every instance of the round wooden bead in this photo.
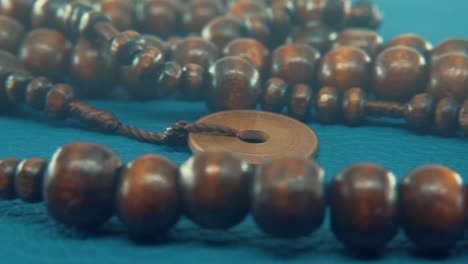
(215, 189)
(463, 118)
(16, 85)
(300, 101)
(7, 178)
(93, 71)
(79, 184)
(235, 84)
(275, 95)
(451, 45)
(288, 197)
(315, 34)
(364, 14)
(57, 101)
(449, 77)
(222, 30)
(435, 194)
(198, 14)
(252, 50)
(11, 34)
(446, 116)
(364, 207)
(147, 199)
(328, 105)
(345, 67)
(419, 112)
(28, 179)
(294, 63)
(195, 50)
(20, 9)
(245, 8)
(156, 42)
(257, 28)
(45, 52)
(412, 41)
(37, 91)
(353, 106)
(122, 13)
(159, 17)
(399, 73)
(170, 78)
(331, 12)
(193, 81)
(365, 39)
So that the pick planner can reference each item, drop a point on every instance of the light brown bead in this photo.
(300, 101)
(7, 178)
(412, 41)
(250, 49)
(419, 112)
(446, 116)
(449, 77)
(365, 39)
(353, 106)
(28, 179)
(275, 95)
(328, 105)
(11, 34)
(222, 30)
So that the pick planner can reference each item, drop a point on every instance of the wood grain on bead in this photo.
(159, 17)
(413, 41)
(275, 95)
(364, 206)
(235, 84)
(28, 179)
(449, 77)
(328, 105)
(215, 189)
(364, 14)
(195, 50)
(344, 68)
(446, 116)
(57, 101)
(365, 39)
(399, 73)
(300, 101)
(331, 12)
(288, 197)
(148, 201)
(315, 34)
(222, 30)
(7, 178)
(419, 112)
(451, 45)
(193, 82)
(11, 34)
(433, 207)
(353, 106)
(252, 50)
(79, 185)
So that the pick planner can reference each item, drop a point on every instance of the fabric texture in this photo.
(28, 235)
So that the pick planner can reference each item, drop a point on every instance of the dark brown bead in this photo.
(16, 85)
(193, 81)
(364, 206)
(155, 42)
(280, 23)
(92, 70)
(57, 101)
(364, 14)
(222, 30)
(399, 73)
(315, 34)
(419, 112)
(169, 79)
(44, 12)
(20, 9)
(413, 41)
(295, 63)
(365, 39)
(147, 199)
(45, 52)
(195, 50)
(331, 12)
(463, 118)
(125, 45)
(288, 197)
(28, 179)
(79, 185)
(446, 116)
(159, 17)
(300, 101)
(215, 189)
(275, 95)
(235, 84)
(7, 178)
(451, 45)
(37, 92)
(328, 105)
(344, 68)
(250, 49)
(432, 207)
(258, 29)
(11, 34)
(353, 106)
(198, 14)
(245, 8)
(449, 77)
(121, 12)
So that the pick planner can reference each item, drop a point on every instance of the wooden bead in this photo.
(294, 63)
(365, 39)
(92, 70)
(300, 102)
(198, 14)
(125, 45)
(28, 179)
(45, 47)
(419, 112)
(433, 194)
(252, 50)
(446, 116)
(16, 85)
(345, 67)
(412, 41)
(11, 34)
(317, 35)
(79, 185)
(193, 81)
(147, 199)
(364, 207)
(275, 95)
(37, 91)
(195, 50)
(364, 14)
(57, 101)
(222, 30)
(463, 118)
(159, 17)
(235, 84)
(328, 105)
(280, 23)
(449, 77)
(331, 12)
(215, 189)
(451, 45)
(353, 106)
(169, 79)
(19, 9)
(7, 178)
(399, 73)
(122, 13)
(288, 197)
(156, 42)
(245, 8)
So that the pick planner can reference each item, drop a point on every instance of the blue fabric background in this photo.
(27, 235)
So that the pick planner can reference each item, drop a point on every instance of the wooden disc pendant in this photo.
(275, 135)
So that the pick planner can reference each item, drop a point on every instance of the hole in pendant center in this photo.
(253, 136)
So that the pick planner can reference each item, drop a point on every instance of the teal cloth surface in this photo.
(28, 235)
